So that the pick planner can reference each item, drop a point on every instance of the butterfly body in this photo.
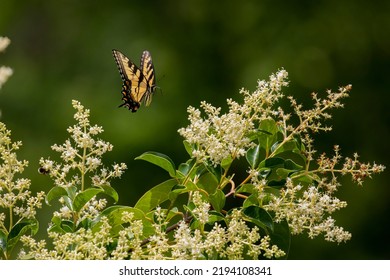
(138, 83)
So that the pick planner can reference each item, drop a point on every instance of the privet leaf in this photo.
(253, 156)
(19, 229)
(55, 193)
(217, 200)
(160, 160)
(155, 196)
(83, 197)
(281, 237)
(259, 217)
(110, 191)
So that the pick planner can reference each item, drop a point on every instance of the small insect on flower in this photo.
(43, 170)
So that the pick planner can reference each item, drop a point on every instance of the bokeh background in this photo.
(202, 50)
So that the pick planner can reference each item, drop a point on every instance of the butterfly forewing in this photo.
(138, 83)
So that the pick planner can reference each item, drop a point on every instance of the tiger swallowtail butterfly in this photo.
(138, 83)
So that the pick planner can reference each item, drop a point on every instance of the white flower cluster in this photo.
(235, 241)
(81, 245)
(5, 72)
(217, 137)
(81, 153)
(16, 199)
(306, 209)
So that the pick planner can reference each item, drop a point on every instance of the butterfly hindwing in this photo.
(147, 69)
(138, 83)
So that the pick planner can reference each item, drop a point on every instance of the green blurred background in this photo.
(202, 50)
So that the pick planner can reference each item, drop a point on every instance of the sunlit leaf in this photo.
(115, 214)
(208, 182)
(176, 191)
(284, 173)
(155, 196)
(226, 162)
(55, 193)
(160, 160)
(246, 188)
(110, 191)
(290, 164)
(215, 170)
(189, 147)
(217, 200)
(251, 200)
(267, 134)
(84, 197)
(215, 216)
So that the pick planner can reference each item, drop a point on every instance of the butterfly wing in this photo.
(147, 69)
(135, 84)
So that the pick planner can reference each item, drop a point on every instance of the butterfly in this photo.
(138, 83)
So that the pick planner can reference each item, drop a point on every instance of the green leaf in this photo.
(111, 192)
(67, 226)
(251, 200)
(226, 162)
(290, 164)
(160, 160)
(155, 196)
(83, 197)
(20, 229)
(269, 167)
(208, 182)
(215, 216)
(272, 162)
(191, 186)
(265, 172)
(61, 226)
(68, 202)
(253, 156)
(189, 147)
(184, 169)
(55, 193)
(267, 134)
(281, 237)
(216, 171)
(72, 191)
(217, 200)
(284, 173)
(268, 126)
(259, 217)
(277, 184)
(3, 241)
(290, 167)
(246, 188)
(114, 214)
(278, 147)
(176, 191)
